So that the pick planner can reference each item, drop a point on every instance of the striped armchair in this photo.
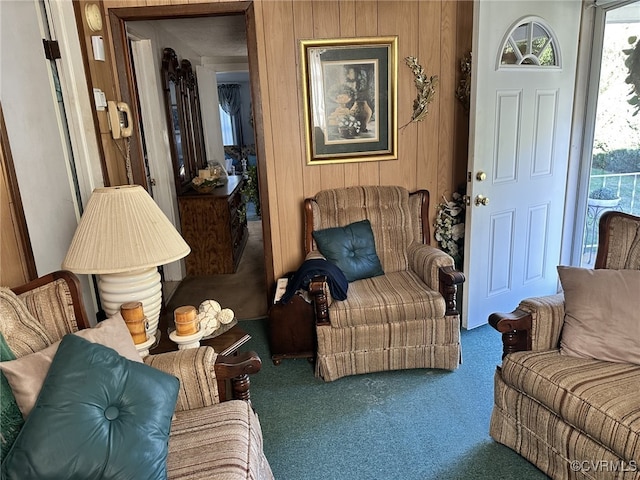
(209, 438)
(405, 318)
(574, 418)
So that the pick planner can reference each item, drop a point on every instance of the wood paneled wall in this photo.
(17, 264)
(431, 154)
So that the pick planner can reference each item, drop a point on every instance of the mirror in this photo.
(183, 118)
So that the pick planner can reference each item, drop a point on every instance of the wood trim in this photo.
(258, 129)
(308, 225)
(191, 10)
(16, 199)
(78, 8)
(126, 81)
(237, 368)
(424, 215)
(515, 328)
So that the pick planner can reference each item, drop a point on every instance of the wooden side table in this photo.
(225, 344)
(229, 342)
(292, 332)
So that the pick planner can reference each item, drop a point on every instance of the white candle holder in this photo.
(143, 348)
(187, 341)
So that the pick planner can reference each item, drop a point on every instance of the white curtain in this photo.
(231, 101)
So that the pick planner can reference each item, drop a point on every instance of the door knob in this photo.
(481, 200)
(481, 176)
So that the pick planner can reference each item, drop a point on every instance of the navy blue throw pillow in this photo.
(351, 248)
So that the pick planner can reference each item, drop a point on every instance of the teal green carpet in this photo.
(404, 425)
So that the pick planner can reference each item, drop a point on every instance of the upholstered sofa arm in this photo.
(535, 325)
(201, 370)
(437, 269)
(195, 367)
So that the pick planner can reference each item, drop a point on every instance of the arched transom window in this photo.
(530, 43)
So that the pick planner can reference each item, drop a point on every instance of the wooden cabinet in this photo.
(215, 227)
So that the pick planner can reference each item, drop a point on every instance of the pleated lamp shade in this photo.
(123, 236)
(123, 229)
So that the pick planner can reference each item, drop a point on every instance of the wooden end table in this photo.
(225, 344)
(292, 331)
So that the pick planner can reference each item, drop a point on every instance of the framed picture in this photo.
(349, 94)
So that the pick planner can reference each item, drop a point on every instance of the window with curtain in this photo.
(226, 123)
(230, 116)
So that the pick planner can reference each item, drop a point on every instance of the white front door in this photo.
(523, 73)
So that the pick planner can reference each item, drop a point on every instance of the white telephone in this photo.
(119, 119)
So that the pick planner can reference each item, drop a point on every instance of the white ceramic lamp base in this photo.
(137, 286)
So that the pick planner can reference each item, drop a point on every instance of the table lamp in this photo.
(122, 237)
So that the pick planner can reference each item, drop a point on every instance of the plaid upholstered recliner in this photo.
(404, 318)
(210, 438)
(570, 416)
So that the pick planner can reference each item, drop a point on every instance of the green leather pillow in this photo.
(351, 248)
(11, 420)
(98, 415)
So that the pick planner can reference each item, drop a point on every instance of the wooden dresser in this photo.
(215, 227)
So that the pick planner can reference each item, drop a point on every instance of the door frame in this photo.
(18, 229)
(584, 114)
(118, 18)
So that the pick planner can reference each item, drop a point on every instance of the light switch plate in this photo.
(98, 47)
(100, 99)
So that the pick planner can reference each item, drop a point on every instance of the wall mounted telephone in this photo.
(119, 119)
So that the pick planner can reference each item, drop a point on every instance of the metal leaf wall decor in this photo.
(426, 86)
(463, 92)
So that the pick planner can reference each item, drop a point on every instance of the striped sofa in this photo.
(209, 438)
(403, 319)
(574, 418)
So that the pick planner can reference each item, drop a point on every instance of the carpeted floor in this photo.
(408, 425)
(244, 291)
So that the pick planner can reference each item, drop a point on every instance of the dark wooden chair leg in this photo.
(240, 386)
(236, 369)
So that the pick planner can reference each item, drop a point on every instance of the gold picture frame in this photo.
(349, 90)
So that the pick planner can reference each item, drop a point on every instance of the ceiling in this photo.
(215, 37)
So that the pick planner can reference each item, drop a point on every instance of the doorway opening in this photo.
(613, 149)
(196, 31)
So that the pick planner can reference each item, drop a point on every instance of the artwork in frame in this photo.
(350, 99)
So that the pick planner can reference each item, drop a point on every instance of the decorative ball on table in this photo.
(214, 319)
(208, 316)
(226, 316)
